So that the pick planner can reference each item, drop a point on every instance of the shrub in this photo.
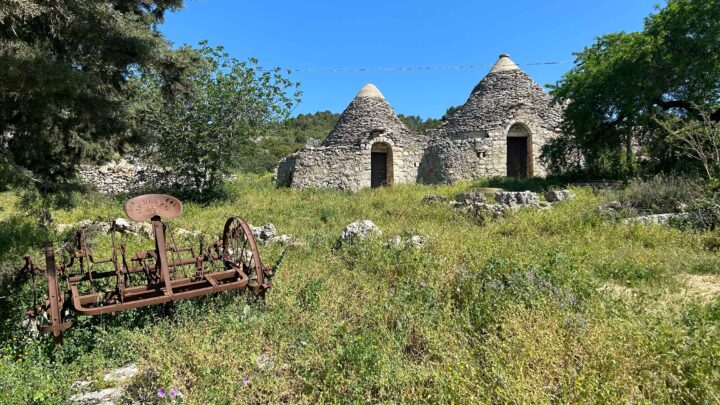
(662, 194)
(211, 130)
(705, 214)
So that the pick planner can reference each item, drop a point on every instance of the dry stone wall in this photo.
(348, 167)
(447, 160)
(124, 175)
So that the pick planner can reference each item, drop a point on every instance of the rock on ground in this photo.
(657, 219)
(107, 396)
(265, 233)
(559, 195)
(415, 241)
(281, 239)
(90, 225)
(496, 211)
(184, 233)
(359, 230)
(122, 374)
(433, 198)
(513, 198)
(470, 198)
(122, 225)
(395, 241)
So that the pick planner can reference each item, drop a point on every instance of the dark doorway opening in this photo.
(517, 156)
(381, 165)
(378, 169)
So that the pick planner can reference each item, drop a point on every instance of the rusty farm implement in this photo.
(162, 275)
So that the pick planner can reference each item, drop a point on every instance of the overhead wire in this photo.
(412, 68)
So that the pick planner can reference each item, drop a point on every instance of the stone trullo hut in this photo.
(499, 131)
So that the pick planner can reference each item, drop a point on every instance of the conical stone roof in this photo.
(493, 102)
(367, 115)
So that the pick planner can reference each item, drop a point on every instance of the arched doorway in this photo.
(381, 165)
(519, 151)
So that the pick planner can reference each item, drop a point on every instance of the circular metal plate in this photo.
(144, 207)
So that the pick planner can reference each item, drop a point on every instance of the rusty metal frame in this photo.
(217, 268)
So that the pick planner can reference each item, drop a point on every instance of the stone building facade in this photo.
(499, 131)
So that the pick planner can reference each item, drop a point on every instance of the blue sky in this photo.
(378, 34)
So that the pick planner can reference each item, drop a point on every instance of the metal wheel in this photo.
(240, 251)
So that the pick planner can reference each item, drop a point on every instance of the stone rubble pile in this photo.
(366, 229)
(616, 209)
(470, 198)
(513, 198)
(656, 219)
(476, 202)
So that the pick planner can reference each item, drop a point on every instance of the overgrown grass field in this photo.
(560, 305)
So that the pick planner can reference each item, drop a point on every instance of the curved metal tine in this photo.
(199, 259)
(119, 279)
(82, 246)
(126, 270)
(80, 241)
(29, 267)
(173, 249)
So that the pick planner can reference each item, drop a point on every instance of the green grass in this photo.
(558, 305)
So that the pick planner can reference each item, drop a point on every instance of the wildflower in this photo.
(246, 381)
(161, 393)
(173, 393)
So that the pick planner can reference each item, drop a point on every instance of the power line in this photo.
(413, 68)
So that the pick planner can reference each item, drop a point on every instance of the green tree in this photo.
(289, 137)
(206, 132)
(450, 111)
(625, 84)
(64, 72)
(700, 139)
(417, 124)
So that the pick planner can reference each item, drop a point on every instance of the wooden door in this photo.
(517, 157)
(378, 169)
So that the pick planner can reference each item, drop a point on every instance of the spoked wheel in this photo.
(240, 251)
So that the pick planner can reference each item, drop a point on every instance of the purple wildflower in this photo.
(173, 393)
(246, 381)
(161, 393)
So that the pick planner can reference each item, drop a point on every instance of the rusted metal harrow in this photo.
(229, 264)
